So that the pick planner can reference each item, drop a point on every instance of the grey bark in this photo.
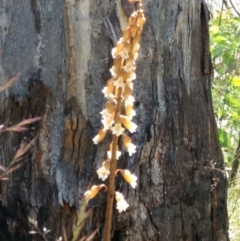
(62, 49)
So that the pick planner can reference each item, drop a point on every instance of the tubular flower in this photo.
(135, 48)
(131, 76)
(122, 205)
(110, 107)
(129, 177)
(124, 54)
(106, 114)
(141, 20)
(128, 124)
(113, 71)
(117, 64)
(107, 119)
(117, 130)
(107, 123)
(129, 101)
(99, 137)
(127, 92)
(132, 20)
(107, 93)
(117, 50)
(90, 194)
(108, 111)
(130, 84)
(119, 83)
(109, 154)
(130, 112)
(129, 67)
(131, 148)
(126, 34)
(108, 90)
(120, 50)
(104, 171)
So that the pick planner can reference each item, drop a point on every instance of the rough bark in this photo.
(62, 48)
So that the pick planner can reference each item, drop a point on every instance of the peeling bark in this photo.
(63, 51)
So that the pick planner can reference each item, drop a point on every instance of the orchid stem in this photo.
(113, 164)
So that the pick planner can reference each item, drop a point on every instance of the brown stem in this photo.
(110, 197)
(111, 182)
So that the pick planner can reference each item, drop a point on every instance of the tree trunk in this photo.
(63, 51)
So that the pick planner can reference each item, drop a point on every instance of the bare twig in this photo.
(37, 230)
(234, 7)
(10, 83)
(110, 29)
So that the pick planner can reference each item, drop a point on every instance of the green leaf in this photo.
(219, 39)
(228, 58)
(229, 100)
(235, 117)
(214, 29)
(235, 81)
(217, 51)
(224, 138)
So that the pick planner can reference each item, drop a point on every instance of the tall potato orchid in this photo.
(118, 114)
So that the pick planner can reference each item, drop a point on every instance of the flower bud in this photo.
(106, 164)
